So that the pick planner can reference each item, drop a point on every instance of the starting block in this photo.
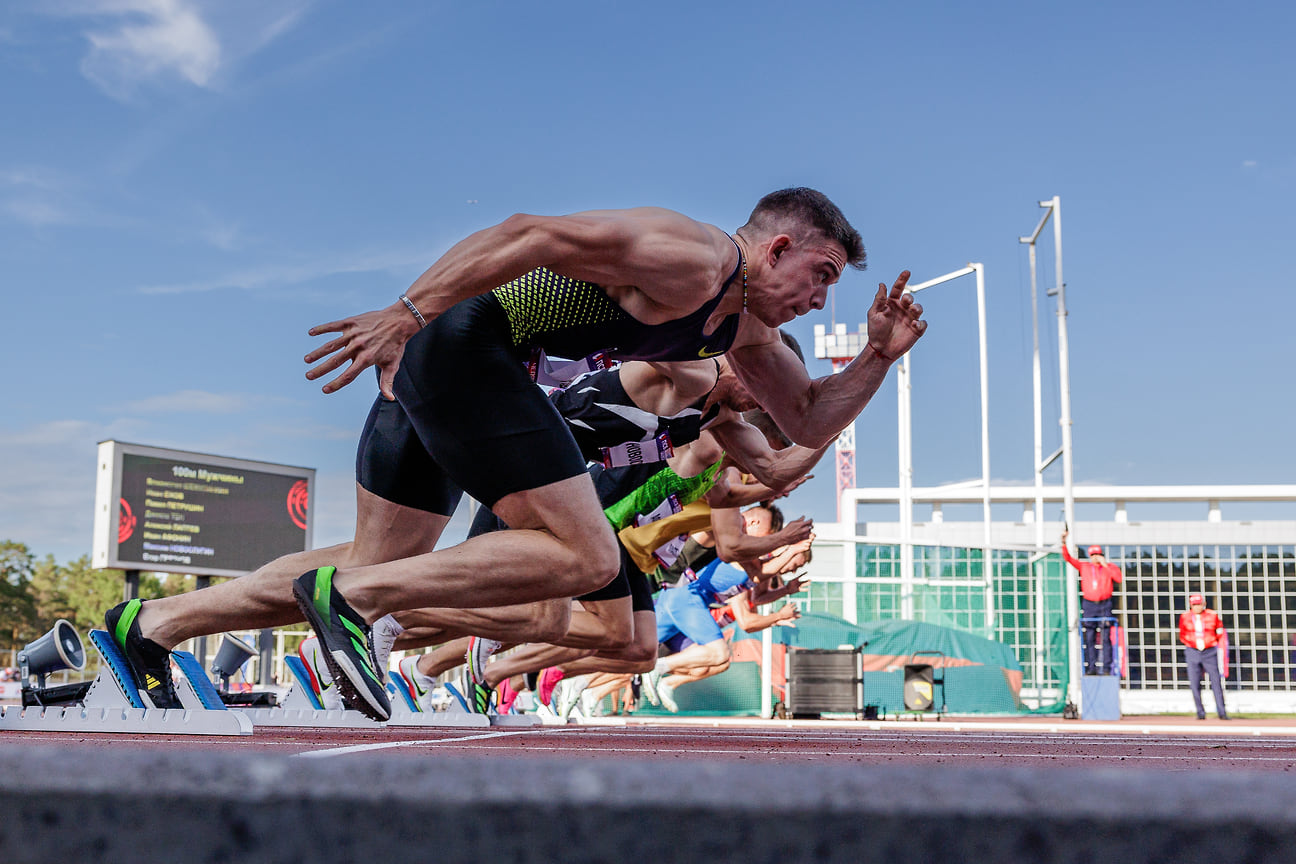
(113, 704)
(193, 687)
(302, 708)
(405, 710)
(301, 694)
(160, 721)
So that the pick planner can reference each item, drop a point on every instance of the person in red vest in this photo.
(1201, 631)
(1097, 577)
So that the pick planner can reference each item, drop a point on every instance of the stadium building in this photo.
(934, 571)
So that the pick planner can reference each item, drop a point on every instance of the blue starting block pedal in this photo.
(405, 710)
(397, 683)
(194, 688)
(126, 694)
(301, 707)
(301, 694)
(113, 704)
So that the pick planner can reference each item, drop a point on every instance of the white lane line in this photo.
(1132, 739)
(753, 754)
(390, 745)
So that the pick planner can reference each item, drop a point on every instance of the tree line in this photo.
(35, 593)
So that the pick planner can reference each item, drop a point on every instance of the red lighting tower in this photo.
(841, 348)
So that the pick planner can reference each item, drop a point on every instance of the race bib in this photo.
(669, 507)
(638, 452)
(548, 374)
(668, 553)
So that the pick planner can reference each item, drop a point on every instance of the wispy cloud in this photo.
(37, 213)
(199, 402)
(37, 198)
(282, 275)
(47, 486)
(133, 43)
(1249, 163)
(217, 232)
(149, 40)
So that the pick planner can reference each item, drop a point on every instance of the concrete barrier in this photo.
(152, 805)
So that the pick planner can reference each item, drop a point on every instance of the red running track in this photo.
(1136, 743)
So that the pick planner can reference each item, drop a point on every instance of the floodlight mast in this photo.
(906, 453)
(841, 347)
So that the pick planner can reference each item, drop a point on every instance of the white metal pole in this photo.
(1037, 567)
(1068, 491)
(850, 570)
(767, 674)
(988, 572)
(1064, 364)
(906, 493)
(1037, 383)
(906, 449)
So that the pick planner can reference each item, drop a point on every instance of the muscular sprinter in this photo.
(458, 412)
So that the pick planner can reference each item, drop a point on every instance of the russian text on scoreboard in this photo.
(175, 511)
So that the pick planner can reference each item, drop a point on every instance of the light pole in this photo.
(906, 453)
(841, 348)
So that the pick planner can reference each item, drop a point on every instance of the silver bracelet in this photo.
(418, 316)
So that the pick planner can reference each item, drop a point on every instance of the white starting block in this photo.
(516, 720)
(113, 704)
(405, 710)
(307, 717)
(456, 710)
(302, 708)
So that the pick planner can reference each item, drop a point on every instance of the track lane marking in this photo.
(903, 755)
(390, 745)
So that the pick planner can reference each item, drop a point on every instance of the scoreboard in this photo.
(177, 512)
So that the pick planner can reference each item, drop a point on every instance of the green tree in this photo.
(76, 591)
(18, 619)
(36, 594)
(81, 594)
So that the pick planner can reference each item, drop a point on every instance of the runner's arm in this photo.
(667, 252)
(735, 544)
(777, 469)
(751, 621)
(813, 412)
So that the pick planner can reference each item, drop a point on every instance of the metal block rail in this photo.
(113, 705)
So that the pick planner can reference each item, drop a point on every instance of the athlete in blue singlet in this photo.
(689, 629)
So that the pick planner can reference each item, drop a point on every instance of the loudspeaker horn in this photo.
(60, 648)
(233, 653)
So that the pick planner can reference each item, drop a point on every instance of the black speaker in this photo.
(919, 687)
(60, 648)
(824, 681)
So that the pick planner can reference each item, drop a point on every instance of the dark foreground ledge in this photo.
(110, 806)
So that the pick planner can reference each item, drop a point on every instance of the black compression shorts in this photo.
(629, 581)
(641, 597)
(619, 586)
(467, 417)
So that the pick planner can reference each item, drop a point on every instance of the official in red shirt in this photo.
(1097, 576)
(1201, 631)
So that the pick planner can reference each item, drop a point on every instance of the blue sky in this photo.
(186, 187)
